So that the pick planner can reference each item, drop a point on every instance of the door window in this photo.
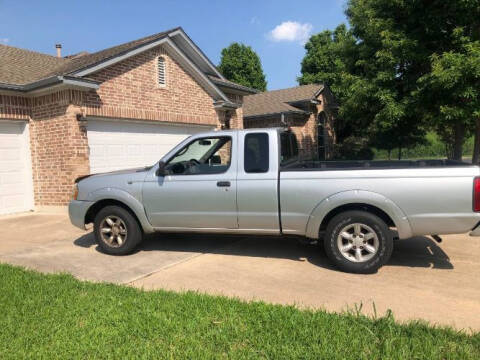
(256, 154)
(202, 156)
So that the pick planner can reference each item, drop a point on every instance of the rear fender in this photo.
(358, 197)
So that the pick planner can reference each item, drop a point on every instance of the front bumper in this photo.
(77, 210)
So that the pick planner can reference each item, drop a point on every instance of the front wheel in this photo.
(117, 232)
(358, 242)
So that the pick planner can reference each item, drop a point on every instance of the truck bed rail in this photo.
(311, 165)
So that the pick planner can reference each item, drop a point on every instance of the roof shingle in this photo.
(20, 66)
(278, 101)
(232, 85)
(85, 61)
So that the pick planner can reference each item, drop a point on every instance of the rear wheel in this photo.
(358, 242)
(117, 232)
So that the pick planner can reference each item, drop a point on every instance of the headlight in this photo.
(75, 191)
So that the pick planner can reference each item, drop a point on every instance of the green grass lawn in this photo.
(57, 316)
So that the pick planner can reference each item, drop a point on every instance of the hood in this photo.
(116, 172)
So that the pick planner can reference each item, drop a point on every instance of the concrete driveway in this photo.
(436, 282)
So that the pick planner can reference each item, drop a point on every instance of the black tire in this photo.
(133, 234)
(383, 242)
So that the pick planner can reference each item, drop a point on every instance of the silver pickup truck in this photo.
(252, 182)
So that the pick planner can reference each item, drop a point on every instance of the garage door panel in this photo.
(96, 151)
(10, 154)
(12, 166)
(10, 142)
(11, 189)
(118, 145)
(13, 201)
(15, 178)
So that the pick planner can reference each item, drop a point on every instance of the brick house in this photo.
(62, 117)
(309, 110)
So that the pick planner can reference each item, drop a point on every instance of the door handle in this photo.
(223, 183)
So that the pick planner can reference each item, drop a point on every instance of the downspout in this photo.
(282, 119)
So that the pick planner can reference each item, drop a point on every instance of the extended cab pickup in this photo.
(251, 182)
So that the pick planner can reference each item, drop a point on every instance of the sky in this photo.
(276, 30)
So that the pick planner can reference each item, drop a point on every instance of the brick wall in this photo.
(129, 89)
(15, 107)
(58, 145)
(236, 117)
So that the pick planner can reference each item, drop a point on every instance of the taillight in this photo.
(476, 194)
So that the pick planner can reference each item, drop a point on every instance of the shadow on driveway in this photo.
(415, 252)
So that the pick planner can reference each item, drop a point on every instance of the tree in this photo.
(369, 107)
(452, 92)
(240, 64)
(388, 82)
(330, 56)
(404, 39)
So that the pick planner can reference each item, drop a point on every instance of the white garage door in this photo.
(120, 144)
(15, 168)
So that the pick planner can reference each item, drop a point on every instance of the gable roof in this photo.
(20, 66)
(21, 70)
(71, 66)
(280, 101)
(231, 85)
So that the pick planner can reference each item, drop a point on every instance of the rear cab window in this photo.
(256, 153)
(288, 147)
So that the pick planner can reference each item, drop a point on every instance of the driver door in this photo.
(198, 189)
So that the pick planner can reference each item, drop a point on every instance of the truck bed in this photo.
(430, 196)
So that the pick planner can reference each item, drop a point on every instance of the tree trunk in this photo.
(476, 145)
(399, 153)
(458, 140)
(389, 154)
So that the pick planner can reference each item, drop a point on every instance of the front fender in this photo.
(358, 197)
(125, 198)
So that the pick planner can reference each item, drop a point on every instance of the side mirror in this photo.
(161, 169)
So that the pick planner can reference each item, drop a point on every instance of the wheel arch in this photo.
(99, 205)
(374, 203)
(106, 197)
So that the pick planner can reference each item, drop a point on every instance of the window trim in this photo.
(200, 138)
(268, 153)
(163, 59)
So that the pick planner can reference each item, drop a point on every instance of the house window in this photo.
(161, 73)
